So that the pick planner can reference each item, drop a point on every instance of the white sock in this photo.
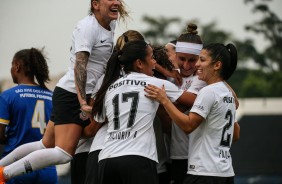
(37, 160)
(21, 151)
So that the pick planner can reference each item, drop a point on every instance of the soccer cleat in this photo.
(2, 178)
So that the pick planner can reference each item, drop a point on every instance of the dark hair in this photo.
(173, 42)
(191, 35)
(34, 65)
(124, 58)
(226, 54)
(162, 59)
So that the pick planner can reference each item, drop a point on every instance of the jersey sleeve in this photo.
(203, 103)
(172, 91)
(84, 36)
(196, 85)
(4, 111)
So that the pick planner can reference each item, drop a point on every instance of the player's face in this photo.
(107, 9)
(186, 63)
(205, 67)
(149, 63)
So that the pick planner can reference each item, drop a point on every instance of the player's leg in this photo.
(66, 136)
(34, 161)
(25, 149)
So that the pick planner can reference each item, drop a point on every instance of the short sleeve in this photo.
(196, 85)
(84, 36)
(4, 111)
(172, 91)
(203, 103)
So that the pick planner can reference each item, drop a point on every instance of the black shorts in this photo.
(78, 168)
(92, 168)
(195, 179)
(127, 170)
(66, 108)
(179, 170)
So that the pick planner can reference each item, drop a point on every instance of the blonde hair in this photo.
(127, 36)
(123, 12)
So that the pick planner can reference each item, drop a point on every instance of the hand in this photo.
(86, 109)
(177, 77)
(155, 93)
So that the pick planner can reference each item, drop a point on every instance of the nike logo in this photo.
(102, 41)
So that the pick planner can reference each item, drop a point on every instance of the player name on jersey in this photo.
(121, 135)
(225, 154)
(127, 82)
(228, 99)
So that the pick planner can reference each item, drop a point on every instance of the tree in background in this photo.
(247, 82)
(270, 26)
(158, 32)
(211, 34)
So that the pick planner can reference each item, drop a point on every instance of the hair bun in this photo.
(192, 28)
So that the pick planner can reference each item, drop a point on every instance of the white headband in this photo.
(189, 48)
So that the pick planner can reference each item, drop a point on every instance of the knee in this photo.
(63, 156)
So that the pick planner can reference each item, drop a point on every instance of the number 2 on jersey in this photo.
(38, 118)
(227, 142)
(133, 108)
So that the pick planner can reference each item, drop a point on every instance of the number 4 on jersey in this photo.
(38, 118)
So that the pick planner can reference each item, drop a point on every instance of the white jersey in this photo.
(130, 116)
(99, 138)
(83, 145)
(179, 139)
(91, 37)
(209, 144)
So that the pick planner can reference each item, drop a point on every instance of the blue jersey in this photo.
(25, 109)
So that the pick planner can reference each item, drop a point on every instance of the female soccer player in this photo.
(210, 122)
(92, 46)
(129, 154)
(26, 108)
(188, 47)
(91, 174)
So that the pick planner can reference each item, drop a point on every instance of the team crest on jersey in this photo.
(187, 84)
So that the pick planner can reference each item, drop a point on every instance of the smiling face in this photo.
(207, 69)
(106, 9)
(149, 63)
(186, 63)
